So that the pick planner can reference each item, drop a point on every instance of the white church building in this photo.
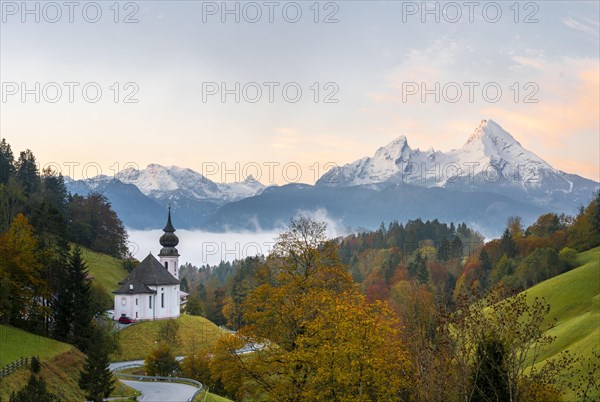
(151, 291)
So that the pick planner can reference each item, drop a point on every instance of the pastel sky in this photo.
(543, 56)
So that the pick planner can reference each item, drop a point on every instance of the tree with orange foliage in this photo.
(23, 288)
(314, 335)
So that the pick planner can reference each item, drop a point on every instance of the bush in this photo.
(568, 257)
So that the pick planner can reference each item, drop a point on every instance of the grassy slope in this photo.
(61, 364)
(16, 343)
(106, 270)
(138, 340)
(574, 298)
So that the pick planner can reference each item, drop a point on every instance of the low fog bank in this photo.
(201, 247)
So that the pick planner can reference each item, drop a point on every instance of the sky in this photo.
(285, 90)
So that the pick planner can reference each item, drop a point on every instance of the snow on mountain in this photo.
(240, 190)
(490, 160)
(490, 151)
(161, 182)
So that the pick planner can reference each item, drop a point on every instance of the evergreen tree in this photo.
(184, 285)
(7, 161)
(417, 268)
(457, 247)
(443, 252)
(490, 380)
(96, 378)
(82, 312)
(74, 305)
(27, 172)
(484, 261)
(35, 390)
(508, 245)
(12, 202)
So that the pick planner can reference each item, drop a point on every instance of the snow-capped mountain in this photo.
(138, 195)
(491, 160)
(173, 183)
(488, 179)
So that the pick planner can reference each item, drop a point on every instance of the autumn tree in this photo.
(21, 276)
(161, 361)
(310, 333)
(503, 337)
(585, 231)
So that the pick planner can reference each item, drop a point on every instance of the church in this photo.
(151, 291)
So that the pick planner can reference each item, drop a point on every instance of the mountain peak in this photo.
(396, 149)
(492, 130)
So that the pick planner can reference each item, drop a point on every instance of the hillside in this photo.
(61, 362)
(16, 343)
(574, 298)
(137, 340)
(106, 270)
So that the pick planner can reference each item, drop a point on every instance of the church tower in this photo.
(169, 256)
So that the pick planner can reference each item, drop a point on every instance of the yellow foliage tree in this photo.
(23, 287)
(312, 334)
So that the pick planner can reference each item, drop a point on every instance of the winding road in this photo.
(162, 391)
(156, 391)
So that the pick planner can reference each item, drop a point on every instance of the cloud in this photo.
(585, 25)
(562, 125)
(335, 228)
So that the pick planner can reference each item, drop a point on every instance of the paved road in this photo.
(162, 391)
(157, 391)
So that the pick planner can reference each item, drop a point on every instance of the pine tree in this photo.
(443, 252)
(82, 296)
(490, 379)
(74, 304)
(7, 161)
(96, 378)
(27, 172)
(457, 247)
(417, 269)
(508, 245)
(35, 390)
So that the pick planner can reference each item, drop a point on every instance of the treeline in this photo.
(44, 283)
(448, 260)
(308, 331)
(54, 213)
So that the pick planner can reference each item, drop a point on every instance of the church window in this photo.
(162, 300)
(136, 301)
(150, 301)
(167, 264)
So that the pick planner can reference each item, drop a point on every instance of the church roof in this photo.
(150, 272)
(133, 287)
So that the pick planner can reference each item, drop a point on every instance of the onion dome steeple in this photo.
(169, 240)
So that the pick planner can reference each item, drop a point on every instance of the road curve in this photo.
(162, 391)
(156, 391)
